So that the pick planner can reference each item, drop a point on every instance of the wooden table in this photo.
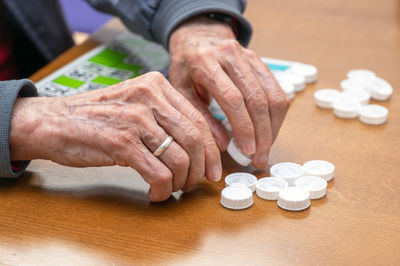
(101, 216)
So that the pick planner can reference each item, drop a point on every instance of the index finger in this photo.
(211, 76)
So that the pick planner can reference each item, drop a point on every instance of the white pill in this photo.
(356, 84)
(373, 114)
(236, 197)
(310, 72)
(315, 185)
(321, 168)
(294, 199)
(268, 188)
(381, 90)
(346, 108)
(246, 179)
(357, 95)
(288, 171)
(325, 98)
(297, 80)
(361, 73)
(236, 153)
(289, 89)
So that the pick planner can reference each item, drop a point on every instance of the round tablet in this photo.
(237, 155)
(294, 199)
(289, 89)
(373, 114)
(356, 84)
(381, 90)
(246, 179)
(268, 188)
(357, 95)
(321, 168)
(236, 197)
(310, 72)
(288, 171)
(315, 185)
(297, 80)
(346, 108)
(325, 98)
(361, 73)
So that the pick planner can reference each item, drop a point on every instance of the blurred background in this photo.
(82, 18)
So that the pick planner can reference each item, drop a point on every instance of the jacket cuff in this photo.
(9, 92)
(173, 12)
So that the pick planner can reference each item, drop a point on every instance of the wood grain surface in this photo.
(101, 216)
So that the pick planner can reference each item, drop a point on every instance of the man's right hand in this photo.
(120, 125)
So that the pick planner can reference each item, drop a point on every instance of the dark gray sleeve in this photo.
(9, 91)
(156, 19)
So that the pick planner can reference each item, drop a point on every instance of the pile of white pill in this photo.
(296, 78)
(353, 101)
(293, 186)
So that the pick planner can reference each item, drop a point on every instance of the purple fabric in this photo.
(82, 17)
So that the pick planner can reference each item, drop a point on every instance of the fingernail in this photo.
(215, 173)
(250, 147)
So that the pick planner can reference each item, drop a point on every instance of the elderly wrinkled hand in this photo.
(207, 60)
(121, 125)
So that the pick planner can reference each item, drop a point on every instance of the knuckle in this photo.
(250, 53)
(151, 82)
(199, 56)
(233, 98)
(140, 115)
(164, 178)
(156, 76)
(280, 101)
(257, 99)
(231, 45)
(141, 91)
